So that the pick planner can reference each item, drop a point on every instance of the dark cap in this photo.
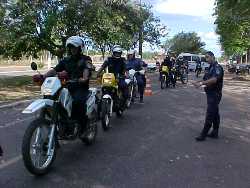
(210, 53)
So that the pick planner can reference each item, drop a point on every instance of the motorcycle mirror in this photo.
(33, 66)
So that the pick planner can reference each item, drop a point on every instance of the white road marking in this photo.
(10, 162)
(10, 124)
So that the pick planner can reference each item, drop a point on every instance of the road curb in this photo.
(13, 104)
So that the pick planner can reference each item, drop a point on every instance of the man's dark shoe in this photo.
(141, 100)
(213, 135)
(200, 138)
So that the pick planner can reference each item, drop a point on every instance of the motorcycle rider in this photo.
(166, 62)
(180, 62)
(198, 67)
(77, 67)
(137, 65)
(117, 64)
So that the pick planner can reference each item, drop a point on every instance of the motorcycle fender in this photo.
(106, 96)
(127, 81)
(37, 105)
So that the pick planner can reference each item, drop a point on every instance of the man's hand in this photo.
(197, 84)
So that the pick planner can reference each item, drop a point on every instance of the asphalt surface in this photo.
(151, 146)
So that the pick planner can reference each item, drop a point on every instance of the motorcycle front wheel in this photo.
(105, 114)
(163, 82)
(36, 157)
(131, 95)
(90, 137)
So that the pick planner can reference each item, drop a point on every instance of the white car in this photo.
(192, 58)
(151, 67)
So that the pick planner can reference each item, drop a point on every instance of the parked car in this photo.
(242, 68)
(151, 67)
(204, 64)
(192, 59)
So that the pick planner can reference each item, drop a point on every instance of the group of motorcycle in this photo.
(55, 122)
(112, 99)
(169, 77)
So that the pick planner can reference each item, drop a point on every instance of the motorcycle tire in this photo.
(105, 116)
(131, 95)
(26, 144)
(163, 83)
(119, 113)
(90, 138)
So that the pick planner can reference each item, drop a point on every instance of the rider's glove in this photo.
(63, 75)
(38, 78)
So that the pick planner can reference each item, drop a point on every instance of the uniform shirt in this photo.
(75, 67)
(115, 65)
(135, 64)
(167, 63)
(214, 71)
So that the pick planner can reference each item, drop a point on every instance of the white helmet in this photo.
(75, 41)
(117, 51)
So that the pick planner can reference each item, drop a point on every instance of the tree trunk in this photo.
(103, 52)
(248, 56)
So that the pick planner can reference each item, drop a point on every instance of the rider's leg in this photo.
(79, 106)
(123, 87)
(141, 86)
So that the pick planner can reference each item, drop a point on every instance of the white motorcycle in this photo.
(132, 83)
(55, 123)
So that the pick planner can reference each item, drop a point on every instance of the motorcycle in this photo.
(55, 123)
(182, 74)
(111, 101)
(172, 76)
(237, 71)
(132, 83)
(164, 77)
(198, 70)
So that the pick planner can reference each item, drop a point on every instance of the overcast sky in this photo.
(189, 15)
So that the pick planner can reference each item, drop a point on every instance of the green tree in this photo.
(233, 26)
(29, 27)
(184, 42)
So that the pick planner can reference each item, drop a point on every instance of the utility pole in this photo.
(140, 33)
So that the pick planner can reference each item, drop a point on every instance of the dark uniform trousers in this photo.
(212, 115)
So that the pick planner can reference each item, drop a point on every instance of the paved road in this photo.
(151, 146)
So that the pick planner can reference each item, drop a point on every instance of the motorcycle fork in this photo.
(53, 131)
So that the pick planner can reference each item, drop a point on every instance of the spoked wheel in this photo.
(37, 155)
(91, 132)
(119, 113)
(131, 95)
(173, 81)
(184, 77)
(163, 82)
(105, 114)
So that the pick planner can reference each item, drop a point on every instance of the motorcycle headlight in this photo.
(107, 81)
(47, 92)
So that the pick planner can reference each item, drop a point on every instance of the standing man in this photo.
(213, 82)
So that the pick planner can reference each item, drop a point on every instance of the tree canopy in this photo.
(28, 27)
(184, 42)
(233, 25)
